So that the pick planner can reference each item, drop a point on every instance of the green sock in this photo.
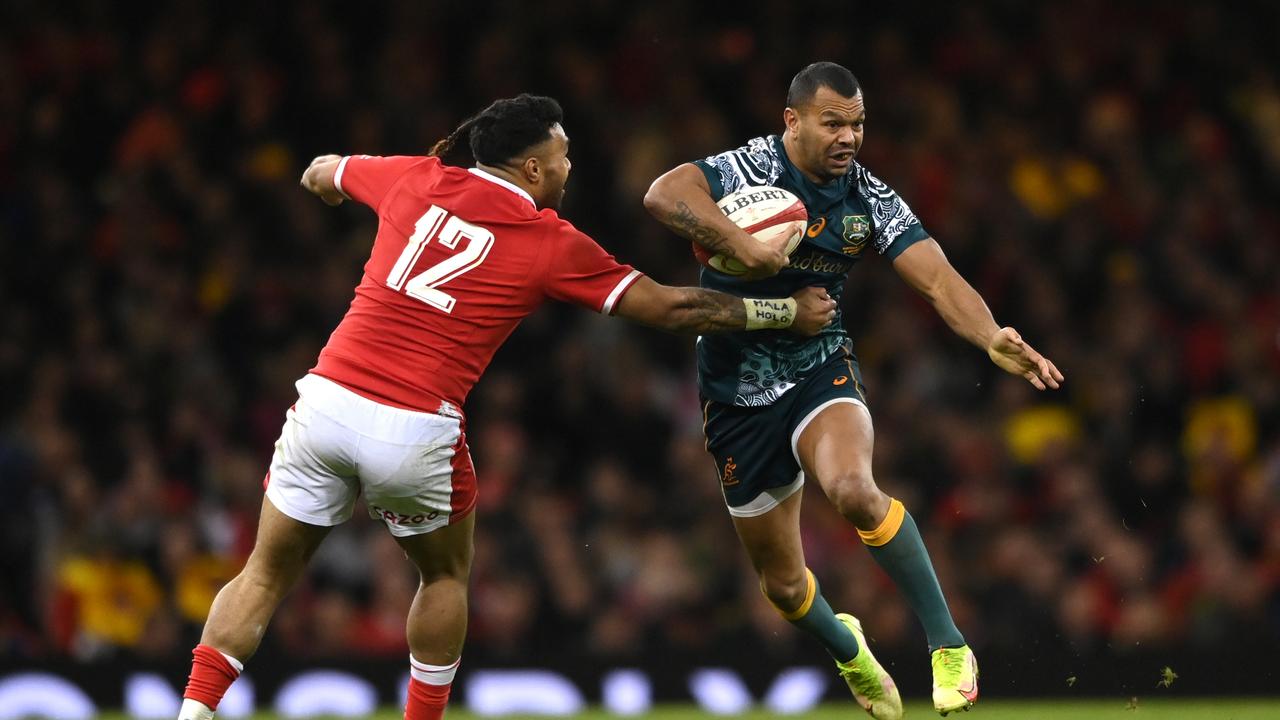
(897, 547)
(816, 618)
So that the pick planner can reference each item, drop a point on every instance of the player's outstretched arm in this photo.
(318, 179)
(925, 267)
(681, 200)
(691, 310)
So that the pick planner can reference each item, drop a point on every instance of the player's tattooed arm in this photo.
(698, 311)
(681, 309)
(683, 220)
(681, 200)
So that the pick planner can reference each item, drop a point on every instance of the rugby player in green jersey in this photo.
(779, 408)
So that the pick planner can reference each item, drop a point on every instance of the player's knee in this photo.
(444, 573)
(856, 497)
(434, 567)
(785, 591)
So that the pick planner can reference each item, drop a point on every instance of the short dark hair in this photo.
(506, 128)
(821, 74)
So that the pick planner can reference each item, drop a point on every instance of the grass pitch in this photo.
(993, 709)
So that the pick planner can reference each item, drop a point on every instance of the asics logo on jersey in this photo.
(840, 380)
(816, 228)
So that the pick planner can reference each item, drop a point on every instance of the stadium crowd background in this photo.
(1106, 177)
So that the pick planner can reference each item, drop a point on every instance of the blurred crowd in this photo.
(1106, 177)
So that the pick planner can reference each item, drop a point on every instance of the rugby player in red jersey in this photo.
(460, 258)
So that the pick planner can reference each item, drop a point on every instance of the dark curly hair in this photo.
(503, 130)
(821, 74)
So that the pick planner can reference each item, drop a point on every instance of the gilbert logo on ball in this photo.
(766, 213)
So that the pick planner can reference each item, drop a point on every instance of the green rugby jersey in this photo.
(846, 216)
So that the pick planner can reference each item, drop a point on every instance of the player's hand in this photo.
(814, 310)
(762, 260)
(318, 179)
(1008, 350)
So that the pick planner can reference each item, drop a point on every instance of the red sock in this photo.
(211, 675)
(429, 687)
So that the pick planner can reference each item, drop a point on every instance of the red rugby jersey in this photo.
(461, 257)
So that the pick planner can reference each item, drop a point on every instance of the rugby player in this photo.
(461, 256)
(779, 408)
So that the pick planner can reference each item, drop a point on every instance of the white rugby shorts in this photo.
(414, 468)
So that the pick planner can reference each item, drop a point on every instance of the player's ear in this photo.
(792, 120)
(532, 169)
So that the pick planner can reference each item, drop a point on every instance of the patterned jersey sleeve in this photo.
(894, 227)
(752, 165)
(367, 178)
(581, 272)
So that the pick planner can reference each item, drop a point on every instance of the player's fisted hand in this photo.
(763, 259)
(318, 179)
(814, 310)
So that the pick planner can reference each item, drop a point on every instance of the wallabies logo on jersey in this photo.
(856, 232)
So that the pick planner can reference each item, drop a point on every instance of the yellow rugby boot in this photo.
(955, 679)
(872, 687)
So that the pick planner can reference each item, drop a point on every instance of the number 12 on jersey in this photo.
(425, 286)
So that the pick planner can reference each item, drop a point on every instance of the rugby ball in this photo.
(767, 213)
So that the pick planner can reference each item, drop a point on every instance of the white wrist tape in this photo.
(770, 314)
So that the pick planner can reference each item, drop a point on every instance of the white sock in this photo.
(433, 674)
(194, 710)
(239, 666)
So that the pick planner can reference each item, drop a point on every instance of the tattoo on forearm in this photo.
(709, 311)
(687, 224)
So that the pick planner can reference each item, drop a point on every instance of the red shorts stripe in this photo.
(462, 499)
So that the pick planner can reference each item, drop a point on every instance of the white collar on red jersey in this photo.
(504, 183)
